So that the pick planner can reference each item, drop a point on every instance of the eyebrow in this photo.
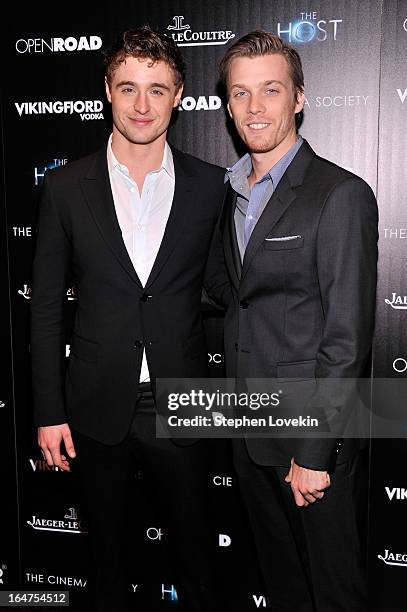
(133, 84)
(271, 82)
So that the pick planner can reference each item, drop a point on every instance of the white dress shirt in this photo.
(142, 217)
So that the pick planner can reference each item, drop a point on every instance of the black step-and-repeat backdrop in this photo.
(54, 111)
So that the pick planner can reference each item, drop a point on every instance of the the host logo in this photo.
(224, 540)
(402, 94)
(184, 36)
(169, 592)
(399, 233)
(86, 109)
(156, 534)
(398, 302)
(39, 171)
(71, 524)
(400, 365)
(396, 493)
(201, 103)
(56, 45)
(308, 28)
(22, 232)
(390, 558)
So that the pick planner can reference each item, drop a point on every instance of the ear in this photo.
(299, 105)
(107, 89)
(178, 96)
(229, 111)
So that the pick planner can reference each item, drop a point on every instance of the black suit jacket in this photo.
(116, 318)
(302, 307)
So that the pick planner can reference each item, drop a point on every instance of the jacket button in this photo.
(146, 298)
(138, 343)
(244, 304)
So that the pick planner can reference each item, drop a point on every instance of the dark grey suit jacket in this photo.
(302, 307)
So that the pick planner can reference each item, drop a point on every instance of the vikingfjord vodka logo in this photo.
(402, 94)
(396, 493)
(184, 36)
(309, 28)
(86, 109)
(261, 601)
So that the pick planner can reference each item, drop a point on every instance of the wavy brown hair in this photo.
(145, 43)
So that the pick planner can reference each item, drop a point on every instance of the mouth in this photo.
(140, 122)
(258, 126)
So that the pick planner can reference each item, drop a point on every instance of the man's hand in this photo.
(307, 485)
(49, 440)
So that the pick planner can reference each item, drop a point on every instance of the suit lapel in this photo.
(231, 247)
(185, 182)
(98, 194)
(273, 211)
(279, 202)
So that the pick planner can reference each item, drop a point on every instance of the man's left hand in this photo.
(307, 485)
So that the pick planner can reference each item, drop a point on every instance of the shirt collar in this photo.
(243, 167)
(167, 162)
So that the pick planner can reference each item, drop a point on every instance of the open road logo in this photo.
(57, 44)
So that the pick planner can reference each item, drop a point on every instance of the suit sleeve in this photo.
(49, 281)
(347, 270)
(216, 281)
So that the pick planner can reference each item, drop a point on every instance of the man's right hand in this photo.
(49, 440)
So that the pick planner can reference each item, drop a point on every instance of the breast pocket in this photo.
(284, 243)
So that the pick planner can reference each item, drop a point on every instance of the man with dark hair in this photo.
(300, 245)
(132, 223)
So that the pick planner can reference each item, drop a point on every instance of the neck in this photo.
(140, 159)
(263, 162)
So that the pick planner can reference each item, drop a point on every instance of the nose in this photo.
(141, 103)
(256, 104)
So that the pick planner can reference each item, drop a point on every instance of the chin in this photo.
(260, 147)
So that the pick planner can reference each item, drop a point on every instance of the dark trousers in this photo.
(175, 477)
(313, 558)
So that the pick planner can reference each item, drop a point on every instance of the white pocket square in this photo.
(282, 238)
